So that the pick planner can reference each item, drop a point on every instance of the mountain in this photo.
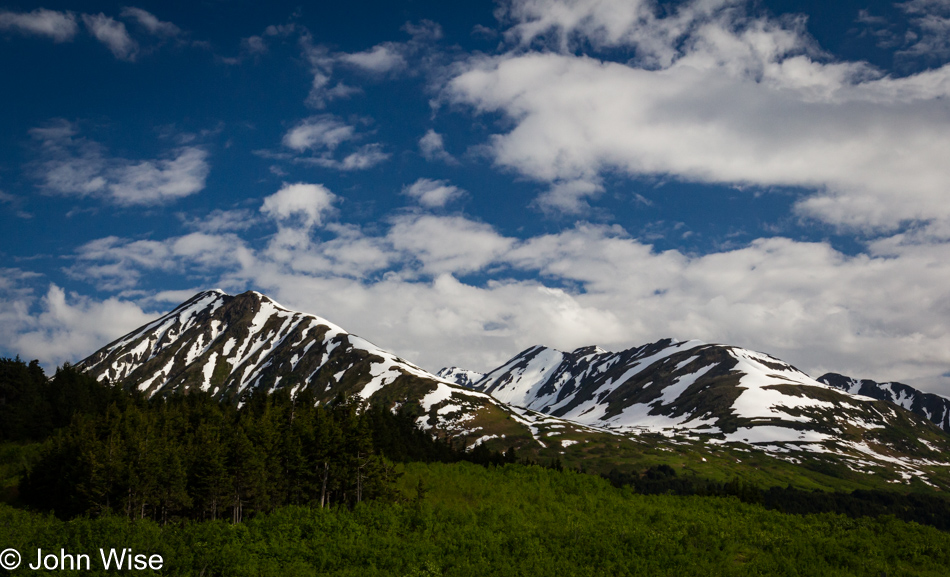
(229, 345)
(718, 411)
(461, 377)
(719, 395)
(934, 408)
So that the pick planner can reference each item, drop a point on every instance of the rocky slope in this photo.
(934, 408)
(709, 405)
(461, 377)
(717, 394)
(229, 345)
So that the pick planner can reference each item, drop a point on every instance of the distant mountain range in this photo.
(934, 408)
(686, 397)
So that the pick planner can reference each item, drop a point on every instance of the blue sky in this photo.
(459, 183)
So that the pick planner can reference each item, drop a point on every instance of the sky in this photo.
(458, 181)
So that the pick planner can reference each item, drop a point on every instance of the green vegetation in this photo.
(926, 508)
(32, 406)
(279, 486)
(466, 520)
(191, 456)
(194, 457)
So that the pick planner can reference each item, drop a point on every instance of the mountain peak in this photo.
(687, 392)
(460, 376)
(935, 408)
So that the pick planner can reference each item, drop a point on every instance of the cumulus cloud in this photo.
(57, 328)
(322, 135)
(568, 197)
(367, 156)
(322, 63)
(712, 96)
(57, 26)
(153, 182)
(380, 59)
(112, 34)
(73, 165)
(432, 147)
(309, 202)
(318, 132)
(432, 193)
(450, 244)
(407, 285)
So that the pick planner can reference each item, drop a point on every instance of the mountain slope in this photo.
(722, 411)
(934, 408)
(461, 377)
(229, 345)
(717, 394)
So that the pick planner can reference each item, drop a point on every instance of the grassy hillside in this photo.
(600, 453)
(463, 519)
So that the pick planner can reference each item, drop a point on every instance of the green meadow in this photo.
(463, 519)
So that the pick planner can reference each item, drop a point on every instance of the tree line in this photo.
(923, 508)
(109, 451)
(190, 456)
(32, 406)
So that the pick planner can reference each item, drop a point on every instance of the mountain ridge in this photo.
(933, 407)
(686, 397)
(228, 345)
(718, 394)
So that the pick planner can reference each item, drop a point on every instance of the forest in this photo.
(279, 485)
(190, 456)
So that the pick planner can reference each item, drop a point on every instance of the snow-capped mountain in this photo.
(226, 345)
(461, 377)
(593, 406)
(721, 394)
(934, 408)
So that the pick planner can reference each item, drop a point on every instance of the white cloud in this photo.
(73, 165)
(322, 135)
(253, 45)
(57, 328)
(803, 302)
(380, 59)
(713, 97)
(930, 20)
(432, 193)
(366, 156)
(15, 204)
(219, 220)
(568, 196)
(318, 132)
(433, 148)
(308, 202)
(877, 315)
(118, 264)
(58, 26)
(150, 22)
(423, 31)
(112, 34)
(322, 62)
(446, 244)
(152, 182)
